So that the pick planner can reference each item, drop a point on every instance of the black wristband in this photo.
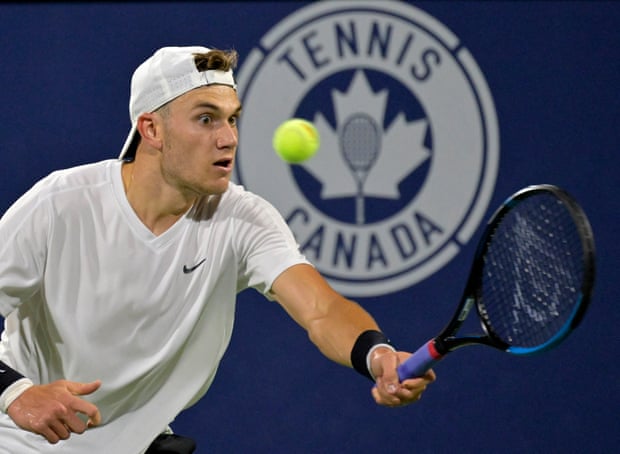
(362, 346)
(8, 376)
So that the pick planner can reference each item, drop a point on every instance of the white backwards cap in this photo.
(166, 75)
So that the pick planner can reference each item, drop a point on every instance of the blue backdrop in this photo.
(553, 71)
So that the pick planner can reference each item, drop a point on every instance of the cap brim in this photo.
(128, 151)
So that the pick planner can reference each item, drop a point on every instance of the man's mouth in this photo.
(225, 163)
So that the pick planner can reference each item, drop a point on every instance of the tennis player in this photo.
(118, 279)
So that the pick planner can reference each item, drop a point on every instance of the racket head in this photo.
(534, 270)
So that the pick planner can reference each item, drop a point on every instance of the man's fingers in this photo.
(49, 435)
(60, 430)
(56, 410)
(393, 394)
(87, 408)
(53, 430)
(94, 419)
(74, 423)
(82, 389)
(83, 406)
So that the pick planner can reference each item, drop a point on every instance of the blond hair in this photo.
(217, 59)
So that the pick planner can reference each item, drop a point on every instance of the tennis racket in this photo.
(530, 281)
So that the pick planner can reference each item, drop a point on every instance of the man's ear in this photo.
(149, 127)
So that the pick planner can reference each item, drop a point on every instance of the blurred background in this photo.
(544, 77)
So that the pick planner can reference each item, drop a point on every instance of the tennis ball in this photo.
(296, 140)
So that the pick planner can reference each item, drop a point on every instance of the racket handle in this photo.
(422, 360)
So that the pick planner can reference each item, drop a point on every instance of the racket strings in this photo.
(532, 272)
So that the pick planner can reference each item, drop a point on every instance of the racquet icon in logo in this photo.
(360, 144)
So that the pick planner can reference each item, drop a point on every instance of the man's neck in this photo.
(157, 208)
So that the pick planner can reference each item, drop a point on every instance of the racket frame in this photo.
(446, 342)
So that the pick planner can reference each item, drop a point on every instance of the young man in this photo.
(118, 279)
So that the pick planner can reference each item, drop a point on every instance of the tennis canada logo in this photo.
(409, 140)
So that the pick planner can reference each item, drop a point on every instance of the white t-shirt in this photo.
(88, 292)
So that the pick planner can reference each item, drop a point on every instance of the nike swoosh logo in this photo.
(188, 270)
(2, 371)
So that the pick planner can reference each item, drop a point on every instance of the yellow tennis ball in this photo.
(296, 140)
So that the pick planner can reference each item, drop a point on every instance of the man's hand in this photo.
(389, 390)
(52, 410)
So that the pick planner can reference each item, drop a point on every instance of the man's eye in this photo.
(205, 119)
(234, 120)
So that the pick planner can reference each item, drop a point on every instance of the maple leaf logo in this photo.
(356, 157)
